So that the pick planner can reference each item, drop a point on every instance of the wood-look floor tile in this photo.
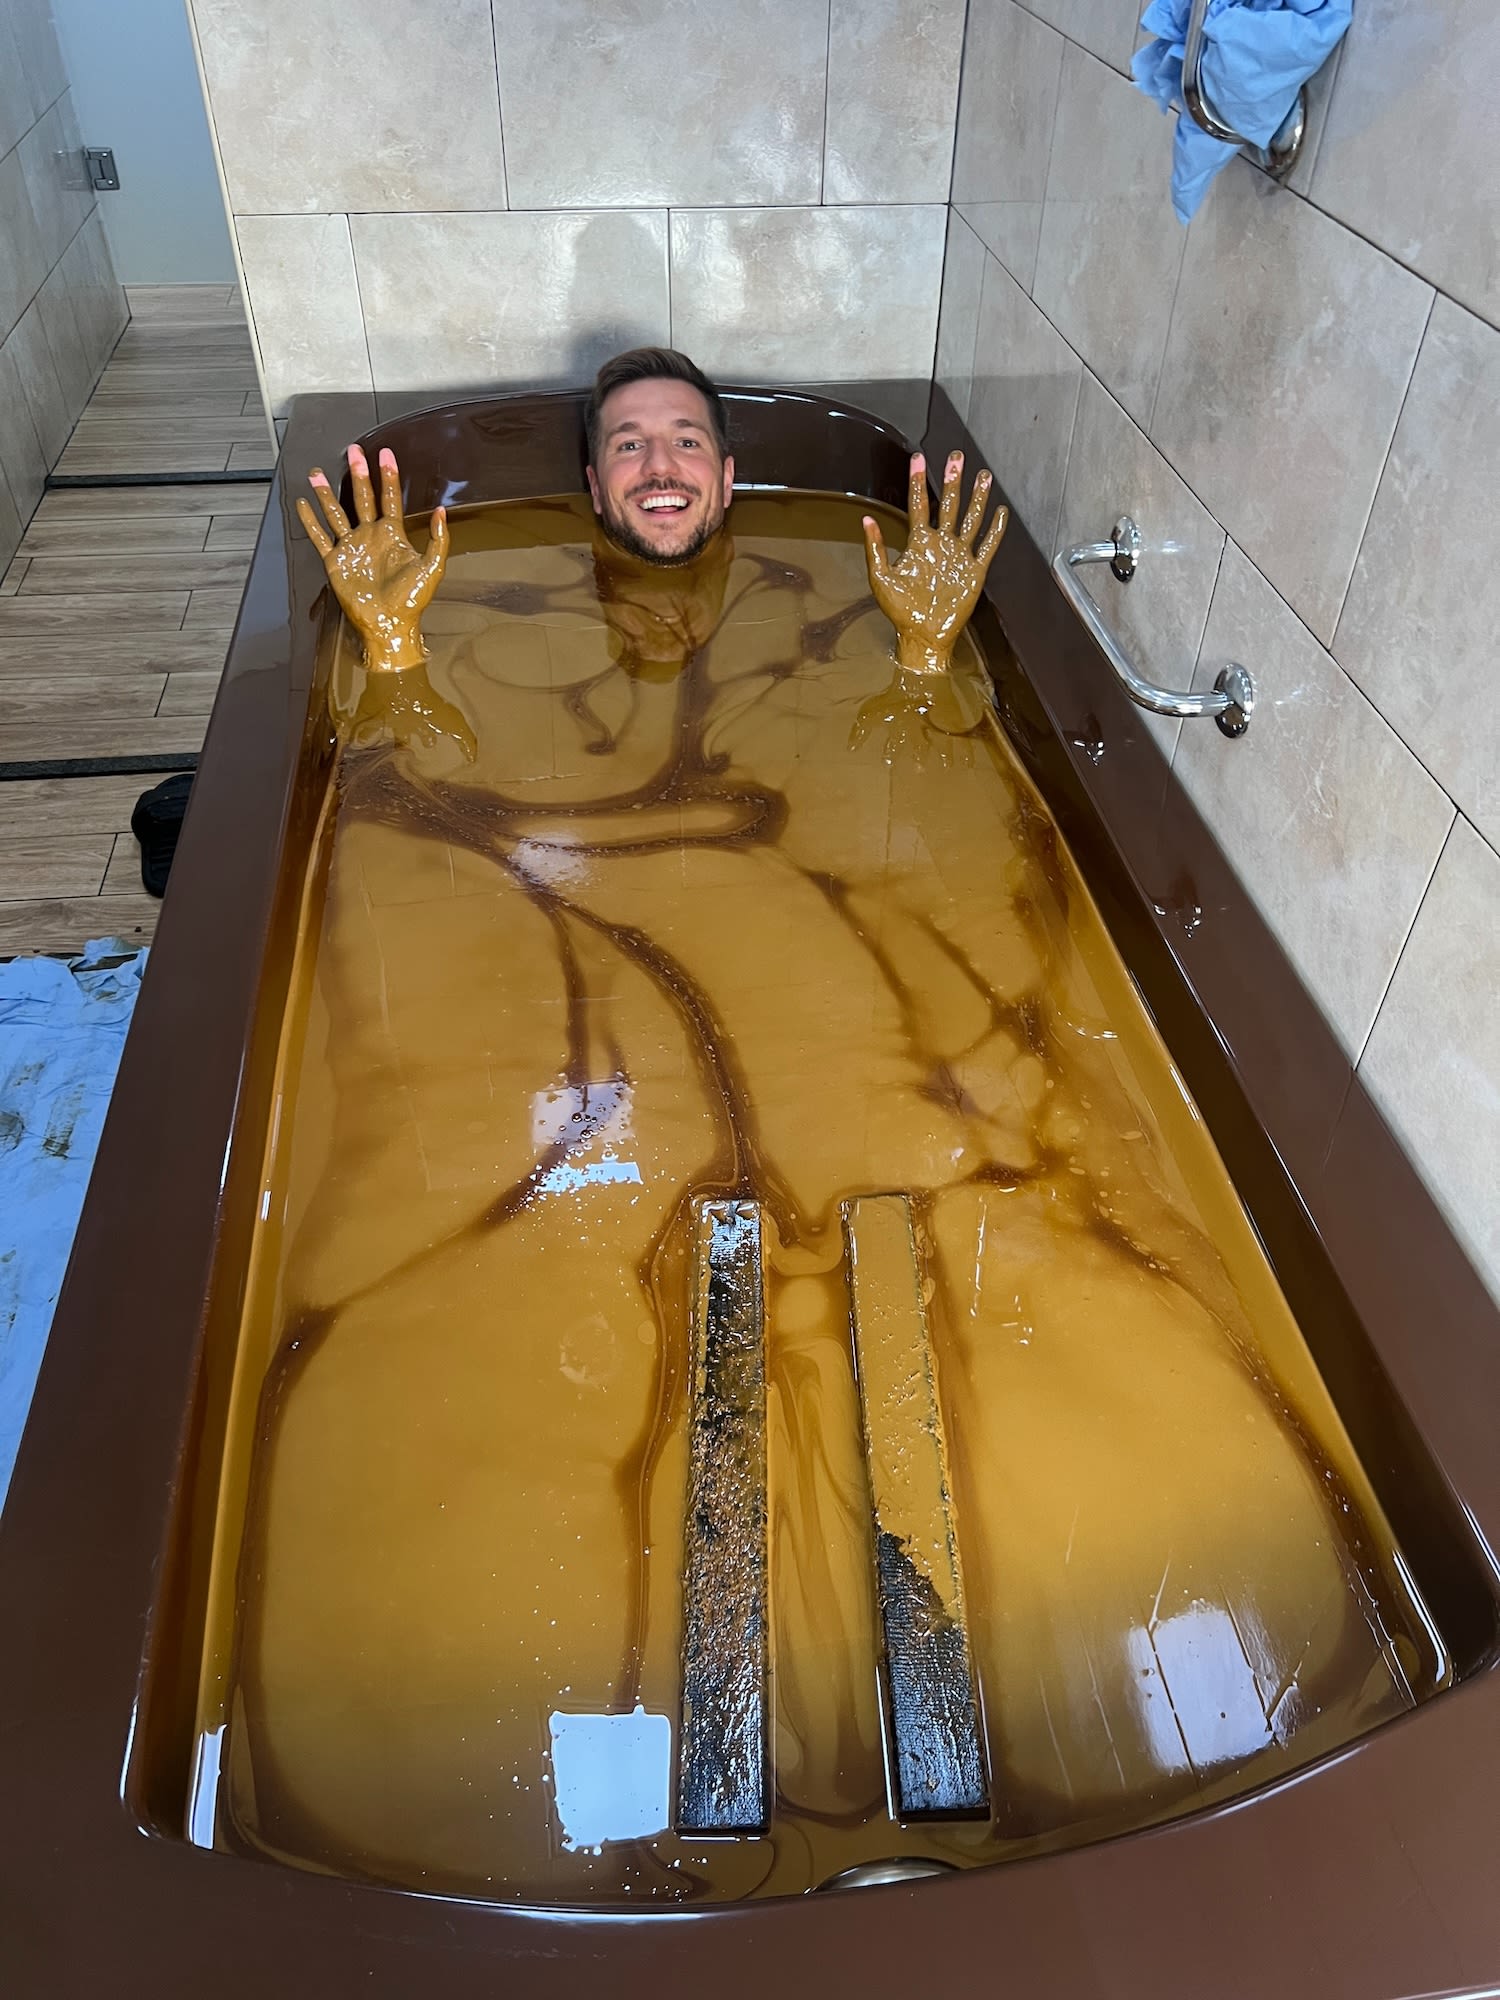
(136, 404)
(150, 379)
(87, 461)
(123, 875)
(59, 698)
(150, 649)
(206, 497)
(189, 694)
(139, 736)
(51, 576)
(43, 807)
(232, 531)
(93, 614)
(212, 609)
(67, 925)
(157, 433)
(171, 302)
(106, 535)
(12, 580)
(67, 864)
(253, 458)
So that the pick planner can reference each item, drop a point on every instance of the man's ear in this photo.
(593, 488)
(728, 480)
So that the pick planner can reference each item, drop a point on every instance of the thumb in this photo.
(430, 571)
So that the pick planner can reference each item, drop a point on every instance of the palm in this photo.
(382, 584)
(930, 591)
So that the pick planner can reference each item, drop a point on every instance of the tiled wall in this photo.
(459, 196)
(61, 310)
(1298, 398)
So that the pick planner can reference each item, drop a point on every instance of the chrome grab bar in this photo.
(1282, 154)
(1233, 695)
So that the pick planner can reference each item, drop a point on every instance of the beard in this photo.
(623, 533)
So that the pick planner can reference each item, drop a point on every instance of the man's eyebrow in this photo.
(678, 423)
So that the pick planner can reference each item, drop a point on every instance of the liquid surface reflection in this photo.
(664, 889)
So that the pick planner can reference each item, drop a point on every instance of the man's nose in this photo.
(661, 460)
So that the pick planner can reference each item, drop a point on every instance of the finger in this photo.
(338, 520)
(880, 575)
(974, 513)
(430, 569)
(317, 534)
(364, 491)
(985, 554)
(953, 472)
(390, 491)
(916, 500)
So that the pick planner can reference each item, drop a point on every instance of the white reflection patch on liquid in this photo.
(1196, 1690)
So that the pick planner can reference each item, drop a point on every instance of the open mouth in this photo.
(664, 505)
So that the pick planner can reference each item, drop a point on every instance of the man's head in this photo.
(659, 466)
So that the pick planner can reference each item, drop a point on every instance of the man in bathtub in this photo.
(655, 878)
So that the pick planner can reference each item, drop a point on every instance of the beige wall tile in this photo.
(1007, 111)
(52, 164)
(1409, 155)
(304, 304)
(1433, 1058)
(23, 263)
(1291, 347)
(16, 114)
(51, 414)
(635, 103)
(1025, 395)
(1332, 823)
(892, 91)
(69, 355)
(21, 457)
(958, 319)
(384, 105)
(808, 294)
(1419, 627)
(1106, 27)
(11, 524)
(1110, 248)
(1159, 616)
(469, 301)
(41, 58)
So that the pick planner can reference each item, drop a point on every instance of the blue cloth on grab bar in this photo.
(1257, 54)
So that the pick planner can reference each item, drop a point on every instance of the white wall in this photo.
(135, 88)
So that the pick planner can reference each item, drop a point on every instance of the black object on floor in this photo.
(156, 823)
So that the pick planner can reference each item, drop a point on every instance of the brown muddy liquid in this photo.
(663, 887)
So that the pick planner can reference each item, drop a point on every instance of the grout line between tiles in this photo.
(1406, 941)
(499, 104)
(827, 88)
(1385, 462)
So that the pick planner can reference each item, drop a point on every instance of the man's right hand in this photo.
(381, 582)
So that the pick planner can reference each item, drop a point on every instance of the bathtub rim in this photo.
(93, 1496)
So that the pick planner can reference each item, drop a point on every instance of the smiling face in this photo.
(659, 483)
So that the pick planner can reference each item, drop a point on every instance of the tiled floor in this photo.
(116, 611)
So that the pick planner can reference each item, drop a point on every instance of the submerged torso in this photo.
(625, 922)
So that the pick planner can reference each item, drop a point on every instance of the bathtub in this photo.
(1367, 1874)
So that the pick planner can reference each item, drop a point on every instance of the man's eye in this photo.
(688, 444)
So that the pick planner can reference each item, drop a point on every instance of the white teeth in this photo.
(657, 503)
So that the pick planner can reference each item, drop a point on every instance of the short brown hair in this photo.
(652, 364)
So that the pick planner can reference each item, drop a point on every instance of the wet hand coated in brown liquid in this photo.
(698, 905)
(930, 593)
(383, 586)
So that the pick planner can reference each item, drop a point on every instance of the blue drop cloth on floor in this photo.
(62, 1028)
(1257, 54)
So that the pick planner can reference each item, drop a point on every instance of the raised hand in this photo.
(381, 582)
(930, 592)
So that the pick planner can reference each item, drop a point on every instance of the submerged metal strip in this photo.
(929, 1681)
(724, 1762)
